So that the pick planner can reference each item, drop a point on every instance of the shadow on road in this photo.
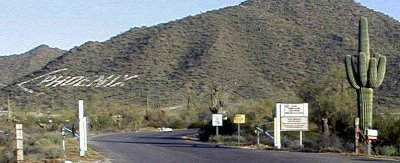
(165, 144)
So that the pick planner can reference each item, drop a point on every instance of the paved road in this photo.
(166, 147)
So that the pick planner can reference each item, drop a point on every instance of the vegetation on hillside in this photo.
(258, 49)
(16, 66)
(257, 53)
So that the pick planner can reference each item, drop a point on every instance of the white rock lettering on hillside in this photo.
(53, 80)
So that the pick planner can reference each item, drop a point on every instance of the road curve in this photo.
(169, 147)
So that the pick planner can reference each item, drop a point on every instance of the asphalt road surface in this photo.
(166, 147)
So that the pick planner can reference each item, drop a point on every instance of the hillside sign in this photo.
(53, 80)
(290, 117)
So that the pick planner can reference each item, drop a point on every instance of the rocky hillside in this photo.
(15, 66)
(258, 49)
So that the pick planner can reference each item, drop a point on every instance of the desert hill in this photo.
(257, 49)
(15, 66)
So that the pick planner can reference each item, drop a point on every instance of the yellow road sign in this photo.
(239, 118)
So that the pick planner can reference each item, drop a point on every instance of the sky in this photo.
(25, 24)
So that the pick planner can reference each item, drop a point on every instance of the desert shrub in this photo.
(101, 122)
(8, 157)
(330, 143)
(207, 130)
(31, 150)
(176, 122)
(5, 137)
(156, 118)
(228, 139)
(196, 124)
(388, 142)
(132, 119)
(388, 150)
(310, 145)
(53, 153)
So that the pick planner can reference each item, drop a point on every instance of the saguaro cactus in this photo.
(365, 75)
(216, 103)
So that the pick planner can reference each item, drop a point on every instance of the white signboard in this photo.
(294, 110)
(294, 124)
(290, 117)
(372, 134)
(217, 120)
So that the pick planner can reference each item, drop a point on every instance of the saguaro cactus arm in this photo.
(381, 70)
(350, 71)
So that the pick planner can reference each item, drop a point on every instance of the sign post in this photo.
(216, 121)
(258, 136)
(356, 134)
(20, 144)
(239, 119)
(63, 141)
(82, 130)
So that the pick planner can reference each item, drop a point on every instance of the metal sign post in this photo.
(301, 139)
(258, 137)
(63, 141)
(82, 130)
(85, 133)
(277, 126)
(239, 119)
(238, 133)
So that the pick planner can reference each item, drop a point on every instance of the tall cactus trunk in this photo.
(365, 97)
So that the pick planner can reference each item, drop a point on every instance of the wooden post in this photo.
(356, 135)
(20, 145)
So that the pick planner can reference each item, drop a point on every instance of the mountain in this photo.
(257, 49)
(15, 66)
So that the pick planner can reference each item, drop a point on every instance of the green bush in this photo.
(388, 150)
(54, 153)
(176, 122)
(101, 122)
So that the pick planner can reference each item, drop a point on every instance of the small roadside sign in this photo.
(239, 118)
(372, 134)
(217, 120)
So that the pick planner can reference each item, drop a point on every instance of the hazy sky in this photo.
(25, 24)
